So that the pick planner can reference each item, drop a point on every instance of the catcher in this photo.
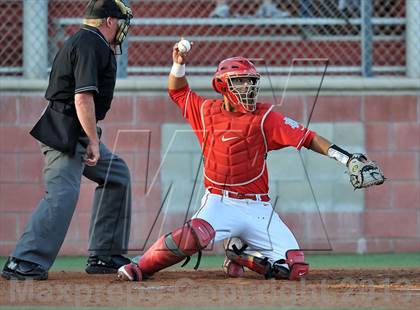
(235, 134)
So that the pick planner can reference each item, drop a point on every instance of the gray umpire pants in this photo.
(111, 213)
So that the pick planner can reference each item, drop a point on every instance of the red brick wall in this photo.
(391, 221)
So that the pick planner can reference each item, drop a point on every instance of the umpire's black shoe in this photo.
(105, 264)
(17, 269)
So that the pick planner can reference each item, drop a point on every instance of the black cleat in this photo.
(102, 264)
(16, 269)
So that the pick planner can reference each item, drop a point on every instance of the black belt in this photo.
(64, 107)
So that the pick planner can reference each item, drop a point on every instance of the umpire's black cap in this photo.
(103, 9)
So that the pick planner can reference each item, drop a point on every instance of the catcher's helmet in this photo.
(243, 95)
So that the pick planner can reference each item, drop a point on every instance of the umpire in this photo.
(80, 92)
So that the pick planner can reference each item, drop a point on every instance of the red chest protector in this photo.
(234, 146)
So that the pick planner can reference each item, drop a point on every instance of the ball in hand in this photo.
(184, 46)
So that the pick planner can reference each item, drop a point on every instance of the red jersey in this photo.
(279, 131)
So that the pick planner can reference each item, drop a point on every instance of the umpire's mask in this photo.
(112, 8)
(123, 23)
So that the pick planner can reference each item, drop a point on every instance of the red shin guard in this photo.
(172, 248)
(295, 259)
(254, 263)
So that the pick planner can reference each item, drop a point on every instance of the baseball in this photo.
(184, 46)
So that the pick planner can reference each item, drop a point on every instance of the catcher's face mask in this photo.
(245, 88)
(238, 80)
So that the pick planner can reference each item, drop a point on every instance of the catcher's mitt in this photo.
(364, 172)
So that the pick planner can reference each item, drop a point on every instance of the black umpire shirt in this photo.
(85, 63)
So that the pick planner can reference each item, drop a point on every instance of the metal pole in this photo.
(413, 38)
(122, 60)
(367, 38)
(35, 39)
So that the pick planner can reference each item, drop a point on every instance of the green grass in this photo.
(383, 260)
(387, 260)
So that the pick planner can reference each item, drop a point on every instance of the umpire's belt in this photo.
(225, 193)
(67, 108)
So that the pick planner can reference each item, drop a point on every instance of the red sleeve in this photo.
(189, 103)
(282, 131)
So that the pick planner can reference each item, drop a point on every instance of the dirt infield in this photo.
(334, 288)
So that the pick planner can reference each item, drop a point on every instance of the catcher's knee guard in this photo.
(172, 248)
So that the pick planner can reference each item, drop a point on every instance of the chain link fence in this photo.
(354, 37)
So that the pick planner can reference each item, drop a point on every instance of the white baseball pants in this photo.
(254, 222)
